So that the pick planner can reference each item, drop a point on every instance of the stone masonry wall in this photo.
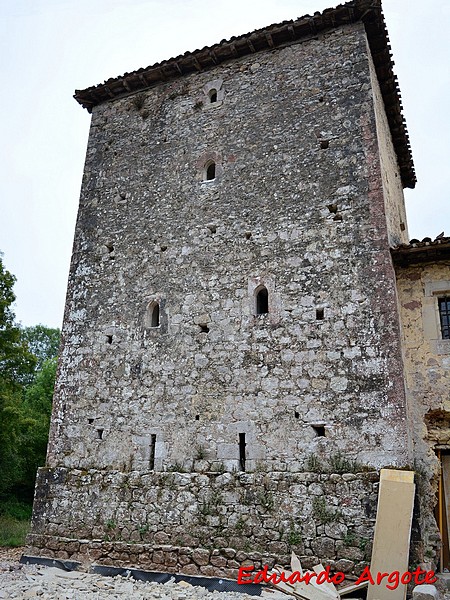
(390, 172)
(427, 373)
(297, 205)
(150, 230)
(205, 523)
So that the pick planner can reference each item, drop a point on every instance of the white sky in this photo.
(49, 48)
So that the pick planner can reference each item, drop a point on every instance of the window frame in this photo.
(434, 290)
(444, 314)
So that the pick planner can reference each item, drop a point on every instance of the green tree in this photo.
(43, 342)
(38, 396)
(27, 377)
(15, 358)
(34, 427)
(16, 362)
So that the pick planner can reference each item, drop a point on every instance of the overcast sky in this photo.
(49, 48)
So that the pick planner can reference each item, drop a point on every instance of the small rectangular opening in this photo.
(320, 312)
(109, 339)
(242, 451)
(152, 452)
(319, 429)
(99, 434)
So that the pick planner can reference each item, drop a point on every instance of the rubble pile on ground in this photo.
(22, 582)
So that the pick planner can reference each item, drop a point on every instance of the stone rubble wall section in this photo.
(208, 523)
(297, 206)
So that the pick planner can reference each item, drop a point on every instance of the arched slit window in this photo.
(262, 301)
(213, 96)
(210, 170)
(153, 315)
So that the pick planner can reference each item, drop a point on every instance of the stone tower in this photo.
(231, 373)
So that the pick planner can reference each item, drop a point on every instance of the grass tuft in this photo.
(13, 531)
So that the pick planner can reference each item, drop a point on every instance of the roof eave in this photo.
(426, 251)
(367, 11)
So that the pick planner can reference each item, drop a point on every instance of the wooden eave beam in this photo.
(142, 79)
(250, 45)
(312, 25)
(162, 74)
(269, 40)
(196, 64)
(426, 254)
(108, 91)
(234, 51)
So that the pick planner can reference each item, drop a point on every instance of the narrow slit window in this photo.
(444, 316)
(262, 301)
(320, 313)
(152, 452)
(210, 171)
(242, 451)
(155, 316)
(99, 434)
(152, 318)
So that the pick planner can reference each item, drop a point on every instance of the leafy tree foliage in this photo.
(43, 343)
(27, 375)
(15, 358)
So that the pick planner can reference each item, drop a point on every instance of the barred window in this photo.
(444, 314)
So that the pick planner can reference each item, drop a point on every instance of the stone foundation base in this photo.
(223, 562)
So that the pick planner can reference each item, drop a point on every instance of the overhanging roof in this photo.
(288, 32)
(417, 251)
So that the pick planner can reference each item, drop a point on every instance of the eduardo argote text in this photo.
(391, 580)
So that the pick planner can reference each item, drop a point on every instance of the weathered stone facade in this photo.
(206, 523)
(203, 435)
(423, 276)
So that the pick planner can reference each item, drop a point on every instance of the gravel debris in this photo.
(49, 583)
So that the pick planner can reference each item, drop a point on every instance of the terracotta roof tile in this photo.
(426, 250)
